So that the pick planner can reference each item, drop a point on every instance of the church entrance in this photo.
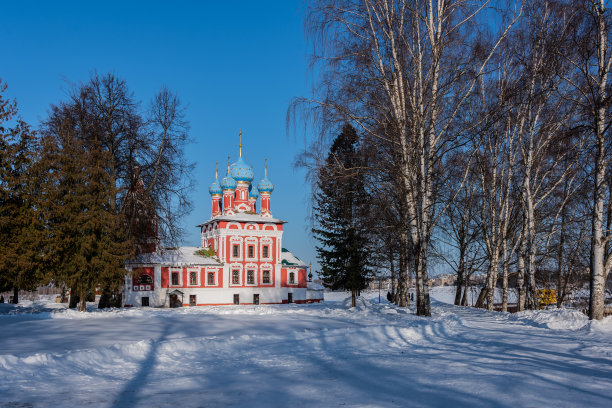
(176, 298)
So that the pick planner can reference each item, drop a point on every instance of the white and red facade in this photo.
(249, 265)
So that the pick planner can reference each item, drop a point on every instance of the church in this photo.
(241, 260)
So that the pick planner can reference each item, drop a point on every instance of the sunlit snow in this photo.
(319, 355)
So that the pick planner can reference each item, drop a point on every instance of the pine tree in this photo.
(343, 253)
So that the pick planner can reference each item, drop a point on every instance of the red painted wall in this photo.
(164, 277)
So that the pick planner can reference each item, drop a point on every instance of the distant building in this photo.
(443, 280)
(241, 260)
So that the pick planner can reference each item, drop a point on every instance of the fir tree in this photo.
(343, 253)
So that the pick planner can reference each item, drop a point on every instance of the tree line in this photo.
(101, 180)
(482, 141)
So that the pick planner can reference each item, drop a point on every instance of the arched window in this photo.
(266, 277)
(145, 280)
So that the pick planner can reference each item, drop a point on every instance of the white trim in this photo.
(291, 278)
(269, 242)
(263, 270)
(197, 275)
(232, 268)
(250, 241)
(250, 267)
(234, 240)
(232, 223)
(216, 275)
(172, 270)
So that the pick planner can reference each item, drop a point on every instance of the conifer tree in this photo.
(87, 240)
(19, 224)
(343, 253)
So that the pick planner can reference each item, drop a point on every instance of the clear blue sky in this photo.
(235, 64)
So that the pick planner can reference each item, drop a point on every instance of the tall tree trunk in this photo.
(492, 279)
(532, 298)
(74, 299)
(464, 298)
(403, 272)
(460, 273)
(15, 295)
(505, 280)
(599, 259)
(520, 279)
(560, 289)
(598, 273)
(481, 297)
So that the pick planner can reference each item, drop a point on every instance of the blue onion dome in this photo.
(253, 192)
(265, 186)
(241, 171)
(228, 183)
(215, 188)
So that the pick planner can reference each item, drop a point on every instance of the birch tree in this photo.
(588, 49)
(406, 67)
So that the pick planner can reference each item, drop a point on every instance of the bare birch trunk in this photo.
(505, 279)
(521, 275)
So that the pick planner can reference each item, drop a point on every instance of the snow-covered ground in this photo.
(320, 355)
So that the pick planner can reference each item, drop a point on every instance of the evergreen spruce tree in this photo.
(19, 223)
(87, 241)
(343, 253)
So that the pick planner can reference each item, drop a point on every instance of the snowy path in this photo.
(312, 355)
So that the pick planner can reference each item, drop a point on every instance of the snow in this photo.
(289, 260)
(182, 256)
(320, 355)
(446, 294)
(244, 217)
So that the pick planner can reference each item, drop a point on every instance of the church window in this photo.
(193, 278)
(211, 278)
(291, 278)
(251, 251)
(236, 299)
(235, 277)
(175, 278)
(235, 251)
(251, 277)
(145, 280)
(266, 277)
(145, 301)
(192, 300)
(266, 251)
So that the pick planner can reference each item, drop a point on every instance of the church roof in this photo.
(288, 259)
(181, 256)
(245, 217)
